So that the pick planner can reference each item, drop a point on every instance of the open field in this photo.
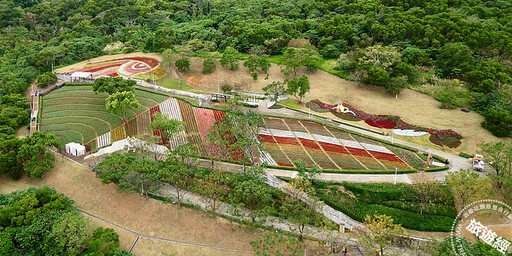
(146, 216)
(78, 114)
(413, 107)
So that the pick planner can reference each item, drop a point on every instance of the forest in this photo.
(383, 42)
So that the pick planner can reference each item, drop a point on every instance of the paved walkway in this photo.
(33, 118)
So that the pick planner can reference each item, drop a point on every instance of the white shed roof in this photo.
(79, 74)
(75, 145)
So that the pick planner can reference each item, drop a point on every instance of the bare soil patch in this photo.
(144, 215)
(413, 107)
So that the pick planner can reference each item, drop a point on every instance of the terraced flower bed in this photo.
(314, 144)
(77, 114)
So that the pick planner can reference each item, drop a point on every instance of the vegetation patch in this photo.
(424, 207)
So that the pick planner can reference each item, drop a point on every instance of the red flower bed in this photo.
(218, 115)
(156, 133)
(205, 121)
(333, 148)
(388, 124)
(137, 67)
(108, 73)
(385, 156)
(309, 143)
(283, 164)
(286, 140)
(358, 152)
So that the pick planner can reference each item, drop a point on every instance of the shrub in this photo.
(208, 65)
(465, 155)
(46, 79)
(183, 64)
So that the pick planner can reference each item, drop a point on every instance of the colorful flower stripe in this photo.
(333, 148)
(152, 111)
(137, 67)
(108, 73)
(385, 156)
(315, 128)
(294, 125)
(191, 128)
(309, 143)
(101, 67)
(276, 123)
(296, 153)
(143, 121)
(118, 133)
(218, 115)
(387, 124)
(276, 153)
(170, 108)
(131, 127)
(345, 161)
(394, 164)
(205, 121)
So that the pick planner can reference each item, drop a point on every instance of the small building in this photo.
(221, 97)
(75, 149)
(81, 76)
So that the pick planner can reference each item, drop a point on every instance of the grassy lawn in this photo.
(171, 83)
(76, 113)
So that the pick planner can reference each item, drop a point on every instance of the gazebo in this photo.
(75, 149)
(81, 76)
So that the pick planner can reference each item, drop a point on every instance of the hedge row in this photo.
(465, 155)
(438, 158)
(397, 201)
(437, 169)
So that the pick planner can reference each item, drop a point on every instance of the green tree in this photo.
(208, 65)
(498, 121)
(230, 57)
(70, 234)
(298, 87)
(33, 153)
(376, 75)
(500, 154)
(113, 85)
(468, 186)
(381, 233)
(306, 56)
(179, 176)
(396, 85)
(118, 103)
(164, 38)
(168, 127)
(380, 56)
(46, 79)
(238, 135)
(454, 59)
(274, 89)
(104, 241)
(183, 64)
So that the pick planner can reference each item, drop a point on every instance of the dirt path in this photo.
(146, 216)
(412, 106)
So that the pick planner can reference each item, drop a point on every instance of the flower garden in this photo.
(128, 67)
(77, 114)
(289, 140)
(440, 137)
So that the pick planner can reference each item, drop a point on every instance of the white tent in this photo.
(75, 149)
(81, 76)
